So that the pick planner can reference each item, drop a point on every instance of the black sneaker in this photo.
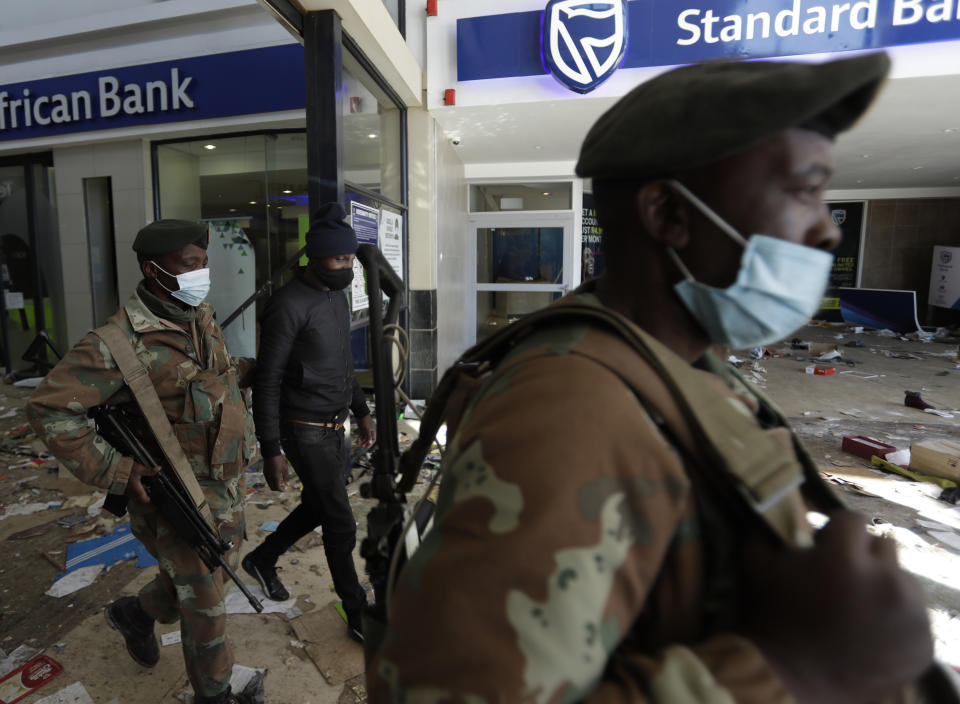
(266, 576)
(126, 615)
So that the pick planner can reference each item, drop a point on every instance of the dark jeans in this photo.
(318, 455)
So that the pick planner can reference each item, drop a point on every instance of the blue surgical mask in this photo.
(193, 286)
(779, 287)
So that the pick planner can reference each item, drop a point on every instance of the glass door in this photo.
(522, 263)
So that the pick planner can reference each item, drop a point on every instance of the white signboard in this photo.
(365, 221)
(945, 278)
(391, 240)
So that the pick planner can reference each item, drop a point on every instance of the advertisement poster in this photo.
(592, 259)
(391, 239)
(849, 217)
(945, 278)
(365, 221)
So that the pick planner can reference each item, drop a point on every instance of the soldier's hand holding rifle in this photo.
(135, 488)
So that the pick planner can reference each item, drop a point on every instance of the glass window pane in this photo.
(371, 133)
(520, 255)
(502, 197)
(497, 309)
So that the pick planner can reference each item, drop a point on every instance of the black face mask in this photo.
(333, 279)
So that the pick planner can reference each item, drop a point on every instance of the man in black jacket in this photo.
(303, 389)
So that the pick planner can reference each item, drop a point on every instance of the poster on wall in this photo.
(391, 239)
(592, 263)
(365, 222)
(849, 217)
(233, 275)
(945, 278)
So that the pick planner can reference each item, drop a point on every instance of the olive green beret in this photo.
(696, 115)
(165, 236)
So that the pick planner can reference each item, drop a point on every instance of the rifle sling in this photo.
(138, 379)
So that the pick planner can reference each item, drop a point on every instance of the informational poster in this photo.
(849, 217)
(945, 278)
(846, 267)
(233, 279)
(391, 239)
(592, 263)
(365, 221)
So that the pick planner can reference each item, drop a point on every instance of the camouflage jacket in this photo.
(570, 558)
(197, 380)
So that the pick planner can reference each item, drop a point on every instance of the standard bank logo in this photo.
(839, 217)
(584, 42)
(946, 257)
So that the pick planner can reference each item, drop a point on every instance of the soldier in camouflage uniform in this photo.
(621, 517)
(180, 344)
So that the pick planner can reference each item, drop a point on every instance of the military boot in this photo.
(252, 694)
(136, 626)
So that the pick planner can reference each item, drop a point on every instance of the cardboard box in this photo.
(825, 371)
(866, 447)
(941, 458)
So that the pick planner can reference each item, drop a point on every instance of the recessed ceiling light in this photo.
(917, 168)
(372, 135)
(287, 191)
(546, 193)
(209, 146)
(859, 180)
(233, 210)
(864, 156)
(253, 202)
(951, 130)
(538, 147)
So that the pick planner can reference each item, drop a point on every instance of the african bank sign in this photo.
(582, 43)
(203, 87)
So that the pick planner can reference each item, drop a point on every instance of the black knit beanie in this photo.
(329, 233)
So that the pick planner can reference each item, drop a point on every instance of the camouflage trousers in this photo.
(185, 589)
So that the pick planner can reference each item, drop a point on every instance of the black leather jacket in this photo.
(304, 365)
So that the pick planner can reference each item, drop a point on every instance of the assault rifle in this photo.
(114, 425)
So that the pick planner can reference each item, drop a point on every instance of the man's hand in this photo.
(368, 431)
(276, 473)
(135, 488)
(839, 622)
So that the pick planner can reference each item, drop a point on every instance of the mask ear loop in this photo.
(165, 272)
(707, 211)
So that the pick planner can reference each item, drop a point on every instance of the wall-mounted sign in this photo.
(365, 221)
(945, 278)
(850, 217)
(592, 258)
(220, 85)
(658, 33)
(584, 42)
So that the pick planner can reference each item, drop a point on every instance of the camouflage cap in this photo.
(696, 115)
(165, 236)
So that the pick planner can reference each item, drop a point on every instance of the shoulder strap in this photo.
(753, 486)
(138, 379)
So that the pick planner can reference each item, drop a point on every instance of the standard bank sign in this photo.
(582, 43)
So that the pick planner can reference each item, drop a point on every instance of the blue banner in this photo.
(220, 85)
(666, 33)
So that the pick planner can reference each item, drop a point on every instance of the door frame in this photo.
(564, 219)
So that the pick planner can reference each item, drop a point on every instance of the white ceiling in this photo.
(907, 128)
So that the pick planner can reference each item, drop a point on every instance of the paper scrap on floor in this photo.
(171, 638)
(75, 581)
(74, 694)
(951, 538)
(237, 603)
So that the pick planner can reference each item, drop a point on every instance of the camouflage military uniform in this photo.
(199, 387)
(573, 554)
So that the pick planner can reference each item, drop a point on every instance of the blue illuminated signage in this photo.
(220, 85)
(672, 33)
(584, 42)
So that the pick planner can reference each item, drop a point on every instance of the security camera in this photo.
(455, 141)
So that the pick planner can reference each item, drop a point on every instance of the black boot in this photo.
(251, 694)
(136, 627)
(355, 624)
(265, 572)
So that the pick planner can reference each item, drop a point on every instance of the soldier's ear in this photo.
(148, 269)
(663, 214)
